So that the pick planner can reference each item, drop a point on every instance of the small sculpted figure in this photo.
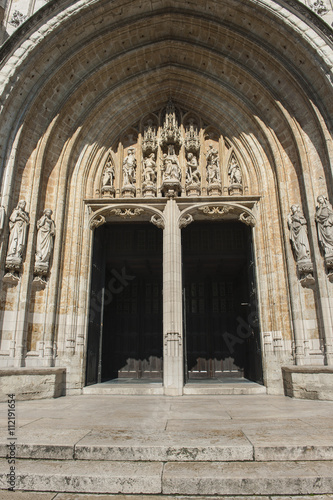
(45, 237)
(324, 219)
(298, 234)
(213, 167)
(18, 228)
(129, 167)
(108, 174)
(149, 170)
(192, 173)
(234, 172)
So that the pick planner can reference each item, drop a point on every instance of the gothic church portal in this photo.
(166, 186)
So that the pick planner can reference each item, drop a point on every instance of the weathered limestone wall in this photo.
(81, 77)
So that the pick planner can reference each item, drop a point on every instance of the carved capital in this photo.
(185, 221)
(157, 221)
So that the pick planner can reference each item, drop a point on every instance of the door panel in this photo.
(133, 337)
(215, 260)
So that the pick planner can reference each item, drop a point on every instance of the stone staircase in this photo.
(140, 464)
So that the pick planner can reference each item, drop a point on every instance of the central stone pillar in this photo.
(173, 359)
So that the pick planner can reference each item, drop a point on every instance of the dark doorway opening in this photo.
(130, 322)
(220, 304)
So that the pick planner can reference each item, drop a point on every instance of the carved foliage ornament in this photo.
(126, 212)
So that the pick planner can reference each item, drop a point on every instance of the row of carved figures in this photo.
(19, 222)
(299, 236)
(171, 171)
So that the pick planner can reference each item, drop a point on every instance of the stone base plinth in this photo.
(308, 382)
(214, 189)
(108, 191)
(32, 383)
(149, 191)
(171, 187)
(128, 191)
(235, 189)
(193, 190)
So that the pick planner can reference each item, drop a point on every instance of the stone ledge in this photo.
(308, 382)
(32, 383)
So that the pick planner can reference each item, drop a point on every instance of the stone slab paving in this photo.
(187, 431)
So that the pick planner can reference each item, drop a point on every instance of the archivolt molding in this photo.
(217, 211)
(123, 212)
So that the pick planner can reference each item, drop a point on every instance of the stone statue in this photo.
(129, 168)
(234, 172)
(18, 228)
(149, 170)
(44, 245)
(108, 174)
(298, 234)
(171, 168)
(213, 167)
(324, 219)
(192, 173)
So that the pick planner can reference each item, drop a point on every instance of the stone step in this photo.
(124, 389)
(173, 478)
(226, 387)
(221, 442)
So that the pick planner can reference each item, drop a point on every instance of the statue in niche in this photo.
(324, 219)
(108, 174)
(170, 166)
(234, 172)
(44, 245)
(18, 228)
(298, 234)
(149, 170)
(129, 168)
(213, 166)
(192, 173)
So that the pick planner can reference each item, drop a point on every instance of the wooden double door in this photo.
(221, 332)
(221, 327)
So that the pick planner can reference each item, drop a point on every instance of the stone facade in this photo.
(90, 136)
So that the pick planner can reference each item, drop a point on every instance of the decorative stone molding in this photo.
(158, 221)
(185, 221)
(126, 212)
(17, 19)
(97, 221)
(216, 212)
(172, 344)
(248, 219)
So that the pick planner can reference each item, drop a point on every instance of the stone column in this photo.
(173, 359)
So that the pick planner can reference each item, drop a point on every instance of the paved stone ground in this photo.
(160, 429)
